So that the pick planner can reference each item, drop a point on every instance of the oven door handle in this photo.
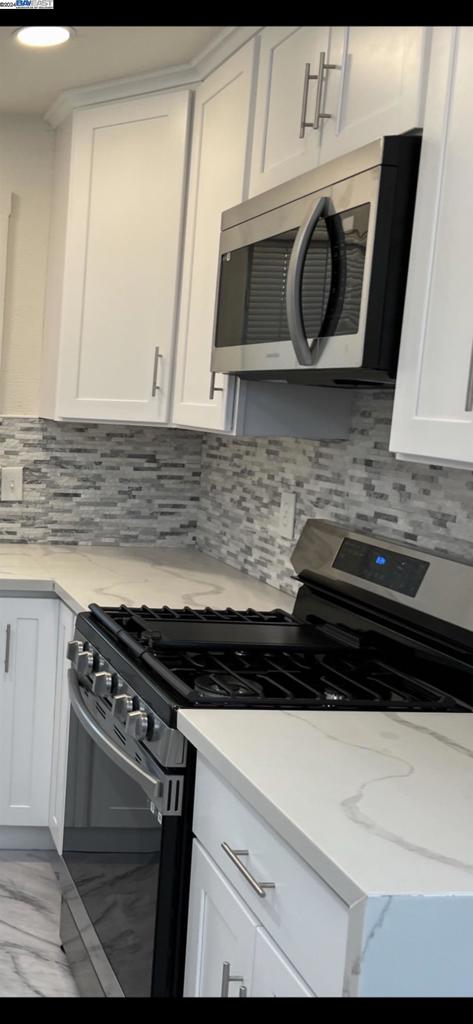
(150, 785)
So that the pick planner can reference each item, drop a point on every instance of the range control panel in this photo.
(379, 565)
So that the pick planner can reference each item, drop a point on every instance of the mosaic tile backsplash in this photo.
(107, 484)
(357, 482)
(101, 483)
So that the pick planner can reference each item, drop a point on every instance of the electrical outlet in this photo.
(287, 514)
(12, 483)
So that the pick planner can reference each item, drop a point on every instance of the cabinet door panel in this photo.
(220, 929)
(278, 151)
(433, 416)
(60, 729)
(377, 86)
(273, 975)
(218, 170)
(26, 725)
(122, 253)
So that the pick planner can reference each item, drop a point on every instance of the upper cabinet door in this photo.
(121, 258)
(217, 181)
(283, 102)
(376, 87)
(433, 407)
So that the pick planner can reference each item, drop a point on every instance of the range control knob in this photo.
(101, 683)
(99, 663)
(74, 648)
(83, 662)
(137, 724)
(117, 684)
(122, 705)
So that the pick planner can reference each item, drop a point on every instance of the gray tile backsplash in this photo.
(100, 483)
(107, 484)
(356, 482)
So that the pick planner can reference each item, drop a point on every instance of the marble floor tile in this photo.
(31, 959)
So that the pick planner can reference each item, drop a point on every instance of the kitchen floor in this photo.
(31, 959)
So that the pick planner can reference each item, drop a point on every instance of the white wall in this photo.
(26, 156)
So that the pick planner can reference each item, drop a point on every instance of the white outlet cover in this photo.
(12, 483)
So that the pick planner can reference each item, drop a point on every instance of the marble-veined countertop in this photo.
(132, 575)
(377, 803)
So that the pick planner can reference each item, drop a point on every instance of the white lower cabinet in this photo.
(273, 975)
(60, 729)
(228, 954)
(28, 649)
(221, 931)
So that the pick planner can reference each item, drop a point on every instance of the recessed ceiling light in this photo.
(43, 35)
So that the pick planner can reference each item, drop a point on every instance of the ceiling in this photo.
(30, 79)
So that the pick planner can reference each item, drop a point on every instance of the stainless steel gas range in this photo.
(376, 625)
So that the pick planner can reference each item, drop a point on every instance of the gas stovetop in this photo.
(253, 659)
(375, 626)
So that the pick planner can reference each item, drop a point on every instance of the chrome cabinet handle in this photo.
(7, 648)
(227, 978)
(157, 357)
(234, 855)
(469, 386)
(213, 389)
(305, 92)
(318, 99)
(300, 344)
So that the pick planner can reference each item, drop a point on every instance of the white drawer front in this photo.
(305, 917)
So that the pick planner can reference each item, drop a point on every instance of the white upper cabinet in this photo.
(369, 82)
(217, 181)
(433, 407)
(377, 86)
(114, 260)
(285, 98)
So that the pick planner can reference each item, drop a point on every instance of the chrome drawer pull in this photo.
(318, 101)
(227, 978)
(7, 648)
(234, 855)
(305, 92)
(157, 356)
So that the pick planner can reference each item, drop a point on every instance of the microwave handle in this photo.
(297, 333)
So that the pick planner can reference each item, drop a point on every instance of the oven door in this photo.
(294, 282)
(119, 856)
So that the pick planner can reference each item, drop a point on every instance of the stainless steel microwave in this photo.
(313, 272)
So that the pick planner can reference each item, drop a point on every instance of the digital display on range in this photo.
(387, 568)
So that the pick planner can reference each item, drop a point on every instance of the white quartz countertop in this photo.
(376, 803)
(132, 575)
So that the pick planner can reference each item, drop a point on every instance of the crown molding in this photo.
(178, 75)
